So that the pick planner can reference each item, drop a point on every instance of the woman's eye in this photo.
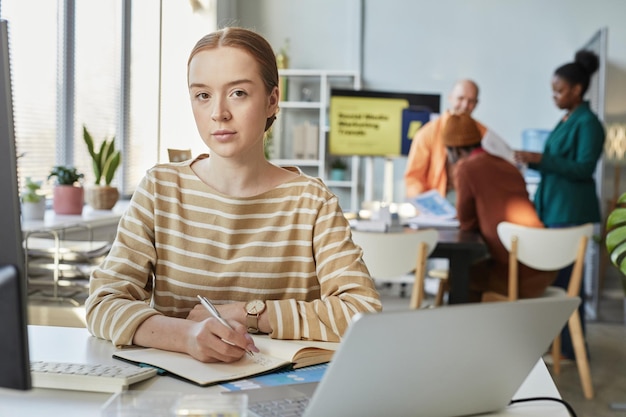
(239, 93)
(202, 96)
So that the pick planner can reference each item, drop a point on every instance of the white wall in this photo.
(510, 48)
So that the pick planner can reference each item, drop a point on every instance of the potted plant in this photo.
(68, 193)
(102, 195)
(338, 169)
(33, 203)
(616, 239)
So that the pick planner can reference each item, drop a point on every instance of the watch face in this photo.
(255, 307)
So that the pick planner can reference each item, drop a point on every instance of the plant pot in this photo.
(337, 174)
(34, 211)
(68, 199)
(102, 197)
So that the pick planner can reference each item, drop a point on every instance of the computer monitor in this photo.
(14, 358)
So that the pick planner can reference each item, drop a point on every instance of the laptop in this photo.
(444, 362)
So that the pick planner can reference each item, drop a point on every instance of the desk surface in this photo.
(89, 218)
(49, 343)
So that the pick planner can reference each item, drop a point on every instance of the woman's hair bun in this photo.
(588, 60)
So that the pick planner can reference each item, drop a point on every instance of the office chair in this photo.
(389, 256)
(550, 250)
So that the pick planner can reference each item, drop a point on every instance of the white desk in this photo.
(96, 226)
(76, 345)
(89, 220)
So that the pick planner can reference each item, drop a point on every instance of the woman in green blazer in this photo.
(566, 195)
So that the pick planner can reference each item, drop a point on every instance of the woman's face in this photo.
(229, 101)
(566, 96)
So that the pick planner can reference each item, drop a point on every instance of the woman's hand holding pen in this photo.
(211, 341)
(233, 337)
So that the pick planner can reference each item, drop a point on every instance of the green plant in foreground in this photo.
(105, 161)
(616, 237)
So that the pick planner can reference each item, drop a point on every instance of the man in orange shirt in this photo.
(427, 166)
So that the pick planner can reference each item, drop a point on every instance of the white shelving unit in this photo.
(306, 102)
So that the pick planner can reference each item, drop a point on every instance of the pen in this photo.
(211, 308)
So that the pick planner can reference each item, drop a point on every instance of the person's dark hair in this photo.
(580, 71)
(464, 149)
(252, 43)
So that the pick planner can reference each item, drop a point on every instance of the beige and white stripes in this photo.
(290, 246)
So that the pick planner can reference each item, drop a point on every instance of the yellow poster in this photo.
(366, 125)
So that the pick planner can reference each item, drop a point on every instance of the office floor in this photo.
(606, 337)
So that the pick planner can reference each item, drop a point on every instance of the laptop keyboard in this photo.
(287, 407)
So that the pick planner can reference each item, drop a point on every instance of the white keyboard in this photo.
(87, 377)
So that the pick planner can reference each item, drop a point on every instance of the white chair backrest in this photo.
(546, 249)
(392, 254)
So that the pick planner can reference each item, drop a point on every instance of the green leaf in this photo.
(89, 141)
(65, 175)
(111, 166)
(106, 161)
(616, 237)
(616, 218)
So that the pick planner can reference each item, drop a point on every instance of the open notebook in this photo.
(275, 354)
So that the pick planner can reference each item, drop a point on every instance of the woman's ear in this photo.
(273, 102)
(578, 88)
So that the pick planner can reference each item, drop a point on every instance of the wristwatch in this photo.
(254, 309)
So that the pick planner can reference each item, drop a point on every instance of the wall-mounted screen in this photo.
(377, 123)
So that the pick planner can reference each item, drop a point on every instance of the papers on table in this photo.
(422, 222)
(432, 204)
(369, 225)
(433, 211)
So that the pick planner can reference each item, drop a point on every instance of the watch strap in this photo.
(252, 323)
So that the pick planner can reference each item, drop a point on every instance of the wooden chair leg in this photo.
(439, 296)
(582, 362)
(556, 355)
(417, 295)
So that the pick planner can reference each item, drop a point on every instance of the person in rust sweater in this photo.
(490, 190)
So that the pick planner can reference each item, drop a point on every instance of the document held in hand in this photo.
(274, 354)
(494, 144)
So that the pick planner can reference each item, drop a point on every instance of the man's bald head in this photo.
(464, 97)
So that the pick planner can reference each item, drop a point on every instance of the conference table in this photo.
(461, 248)
(67, 344)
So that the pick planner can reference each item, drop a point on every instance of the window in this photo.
(70, 68)
(33, 64)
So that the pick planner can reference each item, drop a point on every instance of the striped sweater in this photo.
(290, 246)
